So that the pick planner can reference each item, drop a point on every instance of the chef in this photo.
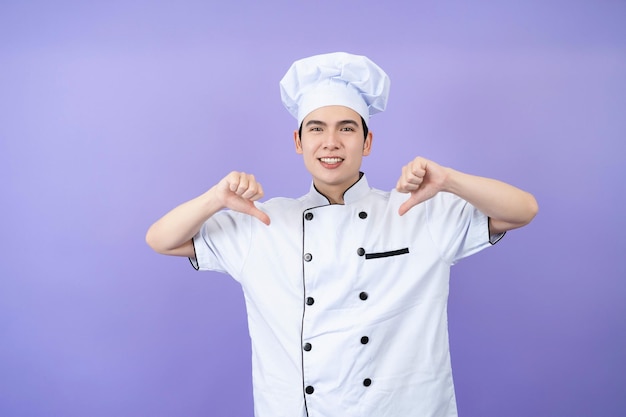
(346, 288)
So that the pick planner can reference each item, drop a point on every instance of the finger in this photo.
(261, 215)
(406, 206)
(418, 170)
(405, 187)
(403, 184)
(243, 184)
(259, 193)
(416, 198)
(414, 179)
(400, 187)
(415, 174)
(252, 193)
(232, 181)
(411, 178)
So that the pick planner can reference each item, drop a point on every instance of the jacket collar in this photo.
(354, 193)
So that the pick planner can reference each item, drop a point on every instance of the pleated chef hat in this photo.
(331, 79)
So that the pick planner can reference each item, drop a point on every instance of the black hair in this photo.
(365, 129)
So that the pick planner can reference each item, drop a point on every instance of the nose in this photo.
(331, 141)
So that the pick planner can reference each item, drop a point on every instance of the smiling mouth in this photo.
(331, 161)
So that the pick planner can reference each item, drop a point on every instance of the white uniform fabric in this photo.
(347, 304)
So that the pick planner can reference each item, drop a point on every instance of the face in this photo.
(332, 147)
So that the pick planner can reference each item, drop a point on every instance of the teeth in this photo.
(331, 160)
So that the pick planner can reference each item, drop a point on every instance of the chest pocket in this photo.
(386, 254)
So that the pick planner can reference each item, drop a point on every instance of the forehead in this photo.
(333, 114)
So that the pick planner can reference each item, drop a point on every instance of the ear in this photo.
(367, 146)
(297, 141)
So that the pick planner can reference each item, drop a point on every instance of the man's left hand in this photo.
(423, 179)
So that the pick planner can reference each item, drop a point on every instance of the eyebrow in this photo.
(339, 123)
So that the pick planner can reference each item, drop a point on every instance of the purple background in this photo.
(111, 113)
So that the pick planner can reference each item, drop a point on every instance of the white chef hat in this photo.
(332, 79)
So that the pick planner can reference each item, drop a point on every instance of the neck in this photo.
(334, 194)
(334, 199)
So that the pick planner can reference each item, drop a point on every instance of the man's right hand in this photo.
(238, 191)
(172, 234)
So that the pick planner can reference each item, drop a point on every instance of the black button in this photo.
(367, 382)
(310, 301)
(360, 251)
(308, 257)
(363, 215)
(308, 216)
(307, 347)
(309, 390)
(363, 296)
(364, 340)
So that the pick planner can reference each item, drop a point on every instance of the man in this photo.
(346, 288)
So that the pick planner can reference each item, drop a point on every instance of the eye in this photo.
(315, 129)
(347, 129)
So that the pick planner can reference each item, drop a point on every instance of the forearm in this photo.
(172, 233)
(507, 206)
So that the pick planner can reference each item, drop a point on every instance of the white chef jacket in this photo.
(347, 304)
